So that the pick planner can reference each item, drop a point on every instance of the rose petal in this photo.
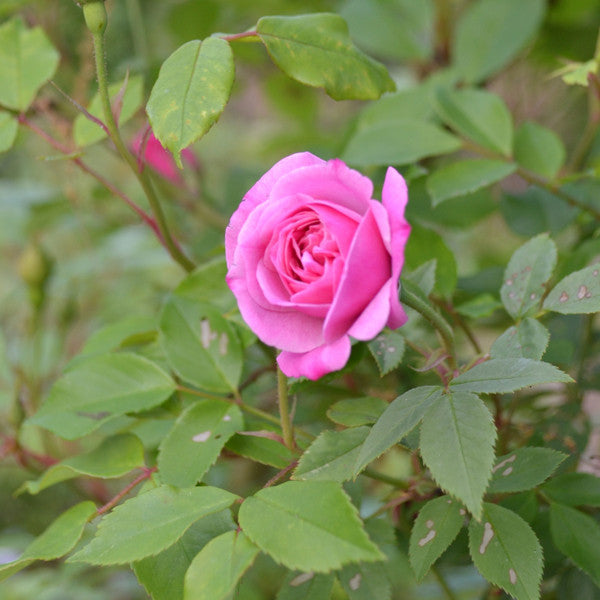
(366, 270)
(395, 196)
(260, 192)
(317, 362)
(374, 317)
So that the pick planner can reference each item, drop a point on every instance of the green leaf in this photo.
(399, 141)
(507, 552)
(577, 293)
(577, 73)
(322, 527)
(163, 575)
(8, 131)
(59, 538)
(86, 132)
(501, 375)
(206, 284)
(526, 275)
(114, 457)
(200, 345)
(527, 339)
(477, 115)
(457, 445)
(262, 450)
(523, 469)
(191, 92)
(217, 568)
(423, 276)
(490, 34)
(435, 528)
(574, 489)
(399, 30)
(27, 61)
(366, 581)
(316, 50)
(332, 455)
(425, 244)
(398, 420)
(387, 349)
(539, 149)
(198, 435)
(465, 177)
(573, 583)
(354, 412)
(306, 586)
(100, 389)
(577, 535)
(480, 306)
(149, 523)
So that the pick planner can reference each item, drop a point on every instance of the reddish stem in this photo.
(147, 473)
(238, 36)
(281, 474)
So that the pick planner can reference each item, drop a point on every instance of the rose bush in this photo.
(313, 259)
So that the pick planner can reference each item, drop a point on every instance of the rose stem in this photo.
(435, 319)
(115, 135)
(284, 412)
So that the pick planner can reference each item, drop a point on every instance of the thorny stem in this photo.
(147, 473)
(435, 319)
(443, 583)
(284, 411)
(146, 218)
(142, 177)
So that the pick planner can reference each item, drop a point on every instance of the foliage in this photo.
(143, 423)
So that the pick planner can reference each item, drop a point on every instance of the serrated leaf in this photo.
(387, 349)
(527, 339)
(217, 568)
(523, 469)
(435, 528)
(490, 34)
(577, 535)
(86, 132)
(27, 61)
(574, 489)
(398, 419)
(526, 275)
(354, 412)
(507, 552)
(316, 50)
(323, 530)
(332, 455)
(465, 177)
(163, 575)
(199, 435)
(577, 293)
(127, 534)
(59, 538)
(306, 586)
(457, 445)
(478, 115)
(260, 449)
(366, 581)
(398, 142)
(501, 375)
(539, 149)
(8, 131)
(423, 276)
(100, 389)
(200, 345)
(191, 92)
(114, 457)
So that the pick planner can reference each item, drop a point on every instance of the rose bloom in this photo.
(313, 259)
(158, 158)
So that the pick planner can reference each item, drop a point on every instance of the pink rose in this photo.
(158, 158)
(313, 259)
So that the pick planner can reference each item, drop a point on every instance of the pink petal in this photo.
(317, 362)
(374, 317)
(395, 196)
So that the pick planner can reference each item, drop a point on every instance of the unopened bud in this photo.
(95, 15)
(34, 266)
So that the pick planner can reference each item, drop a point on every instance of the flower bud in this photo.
(34, 266)
(95, 15)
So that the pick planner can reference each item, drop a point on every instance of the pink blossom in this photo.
(313, 259)
(159, 158)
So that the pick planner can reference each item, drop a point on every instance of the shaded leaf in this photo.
(480, 306)
(306, 586)
(539, 149)
(366, 581)
(527, 339)
(354, 412)
(8, 131)
(574, 489)
(260, 449)
(316, 50)
(457, 445)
